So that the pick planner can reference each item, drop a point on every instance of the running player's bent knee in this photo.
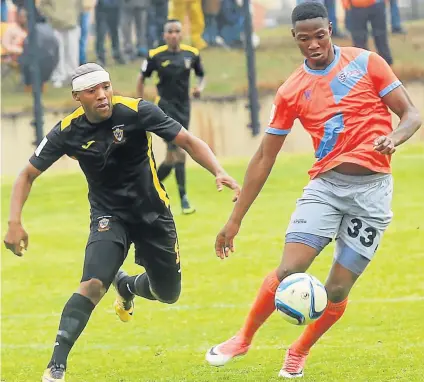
(283, 272)
(168, 294)
(93, 289)
(336, 292)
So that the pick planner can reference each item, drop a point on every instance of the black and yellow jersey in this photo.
(116, 157)
(173, 69)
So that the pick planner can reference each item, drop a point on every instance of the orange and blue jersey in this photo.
(340, 107)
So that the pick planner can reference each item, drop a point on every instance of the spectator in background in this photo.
(395, 18)
(230, 24)
(347, 19)
(135, 11)
(191, 9)
(14, 36)
(373, 11)
(332, 16)
(63, 16)
(211, 10)
(84, 21)
(158, 14)
(107, 14)
(4, 11)
(48, 48)
(331, 9)
(39, 18)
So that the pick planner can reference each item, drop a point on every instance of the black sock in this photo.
(75, 316)
(164, 170)
(180, 174)
(135, 285)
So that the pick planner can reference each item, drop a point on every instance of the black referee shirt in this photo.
(173, 69)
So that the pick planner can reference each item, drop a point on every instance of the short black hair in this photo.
(309, 10)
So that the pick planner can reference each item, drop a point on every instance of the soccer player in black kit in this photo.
(173, 63)
(110, 137)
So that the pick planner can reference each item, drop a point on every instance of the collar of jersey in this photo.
(324, 72)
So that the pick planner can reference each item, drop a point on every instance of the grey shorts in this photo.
(356, 209)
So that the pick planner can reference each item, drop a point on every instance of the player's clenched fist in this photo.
(16, 239)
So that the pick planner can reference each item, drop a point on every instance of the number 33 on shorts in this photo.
(360, 236)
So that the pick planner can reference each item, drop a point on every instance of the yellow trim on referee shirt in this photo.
(158, 187)
(191, 49)
(159, 49)
(131, 103)
(66, 122)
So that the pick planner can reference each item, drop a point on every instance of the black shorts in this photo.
(179, 112)
(156, 249)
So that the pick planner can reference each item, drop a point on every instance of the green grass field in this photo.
(380, 338)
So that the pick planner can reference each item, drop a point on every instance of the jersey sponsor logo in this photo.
(344, 74)
(165, 63)
(272, 114)
(40, 146)
(187, 63)
(86, 146)
(118, 133)
(104, 225)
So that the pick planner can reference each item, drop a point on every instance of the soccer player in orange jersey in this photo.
(342, 97)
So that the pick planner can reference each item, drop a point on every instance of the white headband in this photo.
(88, 80)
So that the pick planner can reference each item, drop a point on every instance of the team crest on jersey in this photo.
(187, 62)
(118, 133)
(342, 76)
(104, 225)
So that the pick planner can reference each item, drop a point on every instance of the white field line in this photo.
(179, 348)
(218, 306)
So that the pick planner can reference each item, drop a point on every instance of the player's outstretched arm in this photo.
(401, 104)
(203, 155)
(256, 175)
(16, 238)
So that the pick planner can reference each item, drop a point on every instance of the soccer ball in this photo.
(301, 298)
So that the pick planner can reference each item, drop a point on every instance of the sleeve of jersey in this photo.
(382, 75)
(147, 67)
(49, 150)
(198, 67)
(153, 119)
(282, 117)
